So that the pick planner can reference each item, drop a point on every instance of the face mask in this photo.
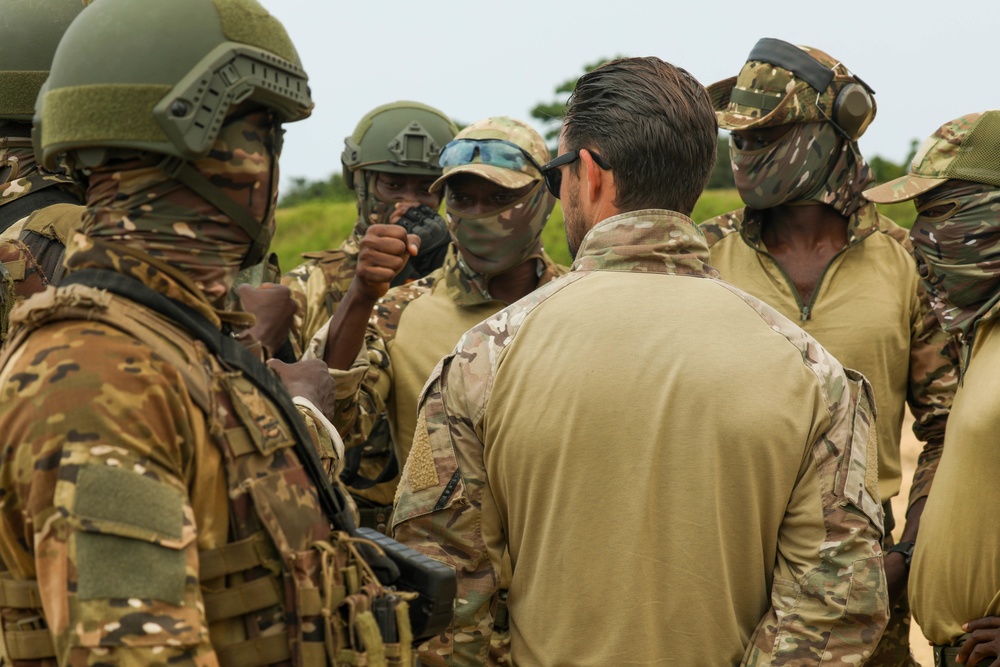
(958, 254)
(811, 162)
(140, 205)
(497, 241)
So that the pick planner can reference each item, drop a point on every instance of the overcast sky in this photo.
(927, 62)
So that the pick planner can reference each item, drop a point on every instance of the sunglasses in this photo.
(494, 152)
(552, 175)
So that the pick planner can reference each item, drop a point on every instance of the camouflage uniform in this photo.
(392, 368)
(154, 504)
(889, 335)
(501, 459)
(402, 138)
(955, 182)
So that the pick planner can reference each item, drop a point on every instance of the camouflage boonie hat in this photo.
(507, 129)
(767, 95)
(967, 149)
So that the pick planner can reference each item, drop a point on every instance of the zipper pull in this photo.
(806, 310)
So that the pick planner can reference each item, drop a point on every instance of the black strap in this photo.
(791, 57)
(31, 202)
(235, 355)
(351, 476)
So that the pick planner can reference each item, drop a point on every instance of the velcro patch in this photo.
(422, 471)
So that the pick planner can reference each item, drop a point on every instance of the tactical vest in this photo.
(283, 567)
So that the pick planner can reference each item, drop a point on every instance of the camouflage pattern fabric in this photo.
(318, 286)
(137, 204)
(957, 254)
(364, 390)
(117, 416)
(963, 149)
(497, 241)
(764, 95)
(501, 128)
(810, 163)
(933, 371)
(23, 176)
(441, 494)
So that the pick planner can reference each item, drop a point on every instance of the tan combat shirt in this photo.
(411, 328)
(871, 312)
(680, 474)
(953, 579)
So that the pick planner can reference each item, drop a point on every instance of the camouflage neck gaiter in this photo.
(135, 203)
(810, 163)
(494, 242)
(958, 254)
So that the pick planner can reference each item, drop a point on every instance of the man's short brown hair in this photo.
(653, 123)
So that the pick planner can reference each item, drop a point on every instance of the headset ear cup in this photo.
(853, 110)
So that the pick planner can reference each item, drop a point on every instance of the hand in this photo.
(384, 251)
(400, 210)
(309, 379)
(982, 647)
(896, 575)
(275, 309)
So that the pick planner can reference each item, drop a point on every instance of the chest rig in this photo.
(286, 589)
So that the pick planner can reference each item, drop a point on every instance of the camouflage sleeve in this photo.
(329, 445)
(98, 463)
(933, 380)
(828, 598)
(363, 389)
(297, 280)
(717, 228)
(439, 507)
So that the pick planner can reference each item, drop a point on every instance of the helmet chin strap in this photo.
(195, 181)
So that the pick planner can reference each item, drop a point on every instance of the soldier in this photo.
(31, 250)
(390, 161)
(809, 245)
(649, 516)
(162, 502)
(497, 207)
(954, 181)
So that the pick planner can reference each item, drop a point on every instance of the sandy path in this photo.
(910, 447)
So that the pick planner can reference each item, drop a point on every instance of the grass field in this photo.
(322, 225)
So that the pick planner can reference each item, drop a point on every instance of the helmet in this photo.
(401, 138)
(160, 76)
(29, 35)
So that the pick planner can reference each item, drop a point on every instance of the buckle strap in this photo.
(29, 644)
(256, 652)
(946, 656)
(23, 594)
(242, 599)
(230, 558)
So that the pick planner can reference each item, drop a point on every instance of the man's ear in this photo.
(593, 175)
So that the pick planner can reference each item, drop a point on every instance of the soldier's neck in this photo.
(803, 228)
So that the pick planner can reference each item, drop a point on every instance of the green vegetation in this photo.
(320, 225)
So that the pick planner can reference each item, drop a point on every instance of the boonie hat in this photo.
(766, 94)
(967, 148)
(503, 150)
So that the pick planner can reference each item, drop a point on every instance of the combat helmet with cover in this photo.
(200, 59)
(402, 137)
(29, 35)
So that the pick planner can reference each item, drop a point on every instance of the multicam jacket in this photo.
(150, 499)
(411, 328)
(871, 311)
(318, 286)
(677, 471)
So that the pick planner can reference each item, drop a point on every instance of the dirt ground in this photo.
(910, 447)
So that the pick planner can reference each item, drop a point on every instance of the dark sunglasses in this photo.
(552, 175)
(494, 152)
